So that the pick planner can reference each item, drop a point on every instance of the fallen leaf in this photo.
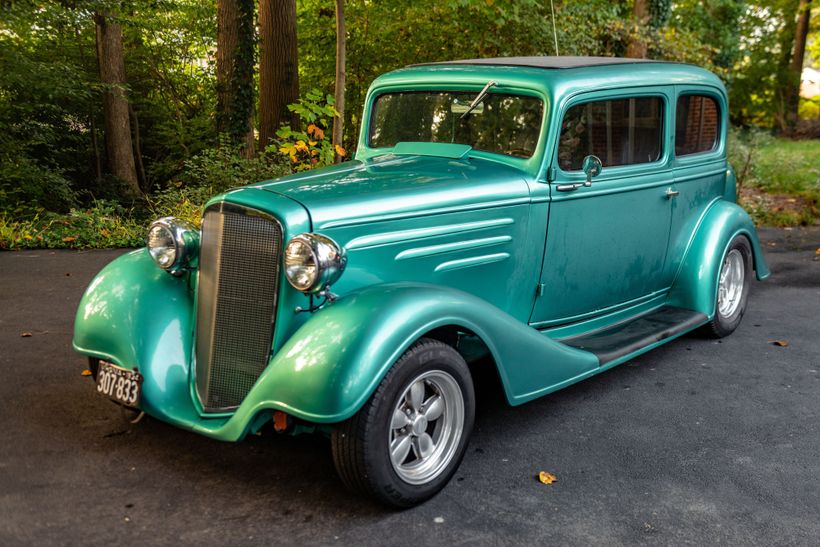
(817, 252)
(86, 372)
(547, 478)
(69, 239)
(25, 335)
(779, 343)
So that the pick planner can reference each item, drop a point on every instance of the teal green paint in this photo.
(442, 235)
(394, 187)
(695, 285)
(436, 149)
(419, 252)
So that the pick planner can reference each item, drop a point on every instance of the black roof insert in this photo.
(545, 62)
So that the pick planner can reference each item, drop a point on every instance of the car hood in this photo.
(399, 186)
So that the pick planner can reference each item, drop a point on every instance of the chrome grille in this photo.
(236, 302)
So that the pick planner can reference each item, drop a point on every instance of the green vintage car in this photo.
(545, 217)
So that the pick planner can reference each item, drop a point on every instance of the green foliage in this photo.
(212, 172)
(26, 185)
(103, 224)
(218, 169)
(312, 147)
(778, 179)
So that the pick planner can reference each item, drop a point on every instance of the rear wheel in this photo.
(733, 289)
(407, 441)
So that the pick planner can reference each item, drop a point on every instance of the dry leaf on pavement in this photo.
(547, 478)
(25, 335)
(779, 343)
(86, 372)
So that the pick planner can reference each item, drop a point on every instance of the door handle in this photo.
(671, 193)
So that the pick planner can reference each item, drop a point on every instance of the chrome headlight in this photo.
(173, 243)
(313, 262)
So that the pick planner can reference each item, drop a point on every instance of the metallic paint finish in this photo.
(419, 252)
(364, 242)
(696, 283)
(391, 187)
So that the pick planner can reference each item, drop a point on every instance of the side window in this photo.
(697, 122)
(620, 132)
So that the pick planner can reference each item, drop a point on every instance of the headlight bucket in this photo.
(173, 243)
(313, 262)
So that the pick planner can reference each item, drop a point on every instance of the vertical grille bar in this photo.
(236, 303)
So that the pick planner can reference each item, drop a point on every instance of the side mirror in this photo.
(592, 167)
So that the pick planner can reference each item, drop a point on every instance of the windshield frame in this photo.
(531, 164)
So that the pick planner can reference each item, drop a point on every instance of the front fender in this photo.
(334, 362)
(696, 283)
(138, 316)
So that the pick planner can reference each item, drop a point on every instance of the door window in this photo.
(620, 132)
(697, 122)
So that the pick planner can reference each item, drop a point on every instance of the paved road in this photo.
(699, 442)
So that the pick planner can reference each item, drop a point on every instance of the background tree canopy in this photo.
(191, 74)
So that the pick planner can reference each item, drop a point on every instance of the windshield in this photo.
(502, 124)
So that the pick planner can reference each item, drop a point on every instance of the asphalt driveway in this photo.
(699, 442)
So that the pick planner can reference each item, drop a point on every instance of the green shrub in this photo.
(311, 148)
(216, 170)
(103, 225)
(26, 186)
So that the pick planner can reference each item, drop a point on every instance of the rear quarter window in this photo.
(697, 124)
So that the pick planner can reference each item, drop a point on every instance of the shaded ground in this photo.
(698, 442)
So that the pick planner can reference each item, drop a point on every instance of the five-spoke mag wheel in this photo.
(405, 443)
(426, 426)
(733, 286)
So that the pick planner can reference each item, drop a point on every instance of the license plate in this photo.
(120, 384)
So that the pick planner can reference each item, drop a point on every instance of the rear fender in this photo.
(695, 286)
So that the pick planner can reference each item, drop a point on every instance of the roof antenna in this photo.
(554, 32)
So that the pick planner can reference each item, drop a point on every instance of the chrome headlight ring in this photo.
(313, 262)
(173, 243)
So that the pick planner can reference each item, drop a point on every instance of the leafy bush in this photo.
(311, 148)
(216, 170)
(25, 185)
(744, 147)
(104, 224)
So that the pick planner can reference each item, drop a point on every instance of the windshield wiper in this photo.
(480, 97)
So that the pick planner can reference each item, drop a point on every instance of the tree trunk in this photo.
(792, 91)
(637, 47)
(339, 98)
(115, 102)
(278, 67)
(135, 125)
(234, 71)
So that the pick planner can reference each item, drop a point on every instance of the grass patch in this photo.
(779, 179)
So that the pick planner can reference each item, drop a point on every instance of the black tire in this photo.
(361, 445)
(723, 325)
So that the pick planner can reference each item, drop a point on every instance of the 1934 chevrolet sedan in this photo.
(556, 216)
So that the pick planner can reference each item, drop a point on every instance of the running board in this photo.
(630, 336)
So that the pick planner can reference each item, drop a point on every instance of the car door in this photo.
(606, 243)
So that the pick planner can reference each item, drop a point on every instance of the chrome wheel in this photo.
(426, 427)
(730, 285)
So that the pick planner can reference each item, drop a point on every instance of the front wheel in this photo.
(407, 441)
(733, 288)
